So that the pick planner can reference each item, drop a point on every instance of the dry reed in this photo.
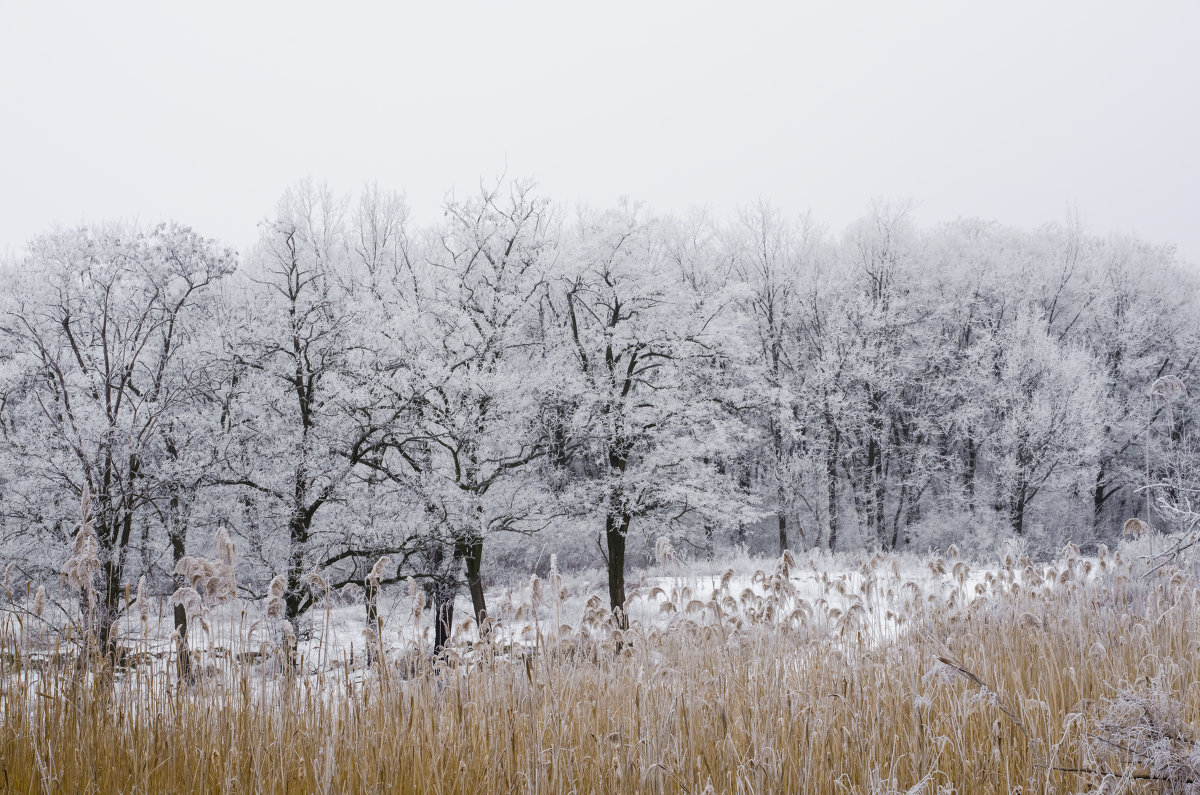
(1077, 676)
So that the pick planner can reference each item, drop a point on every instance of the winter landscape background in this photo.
(446, 470)
(370, 454)
(525, 380)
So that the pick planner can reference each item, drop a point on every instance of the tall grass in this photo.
(1072, 677)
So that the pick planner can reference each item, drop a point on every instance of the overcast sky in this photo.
(205, 112)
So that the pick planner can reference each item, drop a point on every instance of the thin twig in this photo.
(970, 677)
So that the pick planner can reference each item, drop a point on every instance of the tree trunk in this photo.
(371, 602)
(443, 619)
(1100, 496)
(107, 607)
(879, 498)
(443, 590)
(874, 482)
(831, 462)
(147, 560)
(615, 529)
(969, 473)
(113, 568)
(912, 516)
(298, 534)
(870, 488)
(178, 550)
(899, 510)
(777, 437)
(1017, 510)
(739, 531)
(471, 551)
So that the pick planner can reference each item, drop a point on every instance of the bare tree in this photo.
(101, 332)
(318, 406)
(634, 330)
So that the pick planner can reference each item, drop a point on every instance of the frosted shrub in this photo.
(1142, 735)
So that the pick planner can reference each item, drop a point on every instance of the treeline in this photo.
(522, 379)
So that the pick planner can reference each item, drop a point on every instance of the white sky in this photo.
(205, 112)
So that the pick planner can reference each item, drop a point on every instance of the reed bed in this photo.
(1071, 677)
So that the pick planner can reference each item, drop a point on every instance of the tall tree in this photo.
(471, 377)
(318, 402)
(99, 320)
(634, 331)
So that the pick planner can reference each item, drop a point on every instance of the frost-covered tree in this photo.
(886, 311)
(637, 333)
(316, 399)
(98, 324)
(474, 387)
(767, 253)
(1047, 405)
(483, 388)
(1140, 328)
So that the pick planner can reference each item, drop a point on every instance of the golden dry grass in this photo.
(741, 693)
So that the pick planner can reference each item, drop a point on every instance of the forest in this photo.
(523, 379)
(726, 504)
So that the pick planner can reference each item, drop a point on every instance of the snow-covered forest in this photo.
(745, 484)
(551, 499)
(523, 379)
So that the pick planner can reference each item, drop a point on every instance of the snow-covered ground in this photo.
(850, 600)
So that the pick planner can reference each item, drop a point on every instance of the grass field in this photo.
(889, 676)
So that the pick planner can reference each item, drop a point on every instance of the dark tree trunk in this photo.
(1100, 496)
(878, 499)
(777, 437)
(912, 515)
(899, 510)
(831, 462)
(113, 568)
(1017, 505)
(870, 489)
(178, 550)
(442, 590)
(443, 620)
(147, 560)
(615, 529)
(969, 472)
(298, 533)
(371, 602)
(874, 485)
(471, 551)
(107, 607)
(739, 531)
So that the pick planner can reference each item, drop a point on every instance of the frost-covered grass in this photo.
(799, 675)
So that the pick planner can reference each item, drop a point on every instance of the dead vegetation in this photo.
(1074, 676)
